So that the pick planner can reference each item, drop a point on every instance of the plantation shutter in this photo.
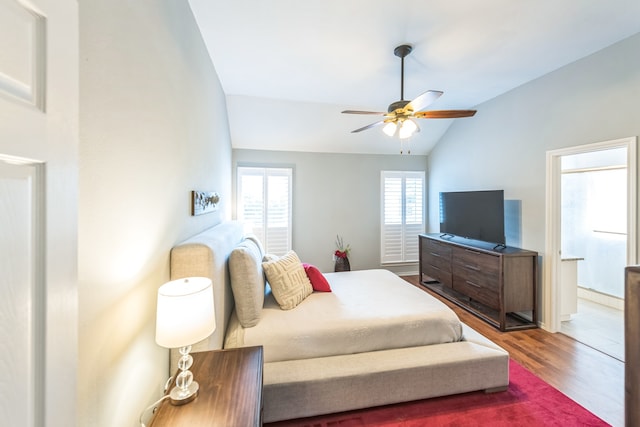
(264, 205)
(278, 226)
(402, 215)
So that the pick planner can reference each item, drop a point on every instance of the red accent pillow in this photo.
(317, 279)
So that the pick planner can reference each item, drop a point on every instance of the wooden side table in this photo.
(230, 391)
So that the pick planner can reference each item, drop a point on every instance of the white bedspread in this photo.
(368, 310)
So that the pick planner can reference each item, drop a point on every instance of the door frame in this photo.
(551, 273)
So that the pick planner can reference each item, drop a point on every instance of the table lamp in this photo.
(184, 316)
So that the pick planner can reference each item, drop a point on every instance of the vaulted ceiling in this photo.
(289, 67)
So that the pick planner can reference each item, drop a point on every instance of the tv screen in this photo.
(477, 215)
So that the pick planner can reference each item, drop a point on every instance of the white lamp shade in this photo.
(185, 312)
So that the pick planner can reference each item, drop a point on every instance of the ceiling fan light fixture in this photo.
(407, 129)
(390, 128)
(400, 115)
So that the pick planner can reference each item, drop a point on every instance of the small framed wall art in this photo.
(203, 202)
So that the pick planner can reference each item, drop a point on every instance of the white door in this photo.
(38, 209)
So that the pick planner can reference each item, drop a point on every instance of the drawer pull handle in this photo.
(474, 284)
(472, 267)
(435, 254)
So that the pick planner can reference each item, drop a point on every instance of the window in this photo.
(264, 204)
(402, 215)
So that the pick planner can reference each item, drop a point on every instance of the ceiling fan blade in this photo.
(423, 100)
(444, 114)
(375, 113)
(368, 126)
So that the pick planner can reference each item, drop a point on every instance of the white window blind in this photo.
(402, 215)
(264, 205)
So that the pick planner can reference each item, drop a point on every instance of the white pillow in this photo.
(288, 280)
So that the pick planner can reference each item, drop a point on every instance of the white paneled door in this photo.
(21, 294)
(38, 212)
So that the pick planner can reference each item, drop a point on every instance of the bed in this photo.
(372, 340)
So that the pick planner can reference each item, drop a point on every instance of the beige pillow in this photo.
(247, 282)
(288, 280)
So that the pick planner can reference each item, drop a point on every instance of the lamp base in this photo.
(178, 396)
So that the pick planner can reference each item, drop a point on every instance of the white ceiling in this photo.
(289, 67)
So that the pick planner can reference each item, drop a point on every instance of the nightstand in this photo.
(230, 391)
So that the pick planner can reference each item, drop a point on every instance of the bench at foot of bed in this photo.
(309, 387)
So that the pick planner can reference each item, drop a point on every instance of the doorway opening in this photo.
(591, 223)
(593, 189)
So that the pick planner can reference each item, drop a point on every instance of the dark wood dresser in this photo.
(496, 284)
(230, 391)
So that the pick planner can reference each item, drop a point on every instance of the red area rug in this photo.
(529, 401)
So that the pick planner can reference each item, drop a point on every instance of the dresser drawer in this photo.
(486, 279)
(437, 274)
(478, 292)
(476, 264)
(437, 255)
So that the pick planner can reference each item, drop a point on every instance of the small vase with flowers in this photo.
(341, 255)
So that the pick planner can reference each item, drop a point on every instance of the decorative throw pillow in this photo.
(247, 282)
(289, 283)
(317, 279)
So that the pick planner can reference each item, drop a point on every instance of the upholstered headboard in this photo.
(206, 255)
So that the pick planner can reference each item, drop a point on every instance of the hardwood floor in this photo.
(589, 377)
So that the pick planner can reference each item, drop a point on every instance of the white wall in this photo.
(153, 127)
(504, 145)
(336, 194)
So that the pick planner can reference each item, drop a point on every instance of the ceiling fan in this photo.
(400, 116)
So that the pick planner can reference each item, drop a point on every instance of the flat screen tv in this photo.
(477, 215)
